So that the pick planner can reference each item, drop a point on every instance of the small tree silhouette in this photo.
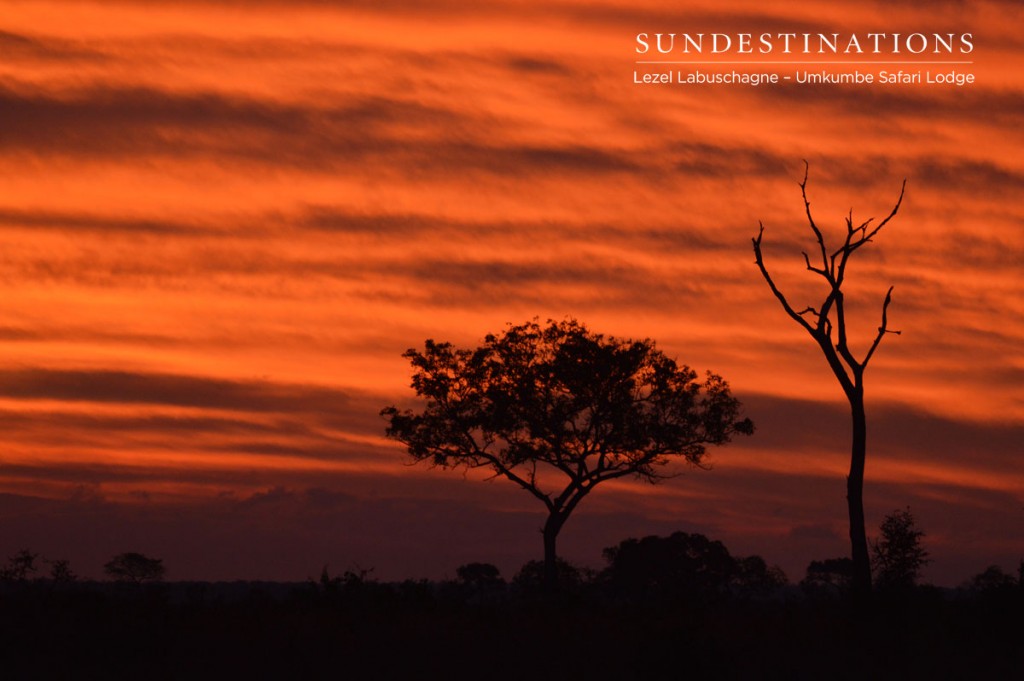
(681, 565)
(134, 568)
(898, 554)
(558, 410)
(992, 579)
(480, 575)
(685, 566)
(61, 572)
(826, 324)
(832, 575)
(20, 567)
(533, 577)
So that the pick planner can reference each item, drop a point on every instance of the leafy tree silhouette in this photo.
(827, 325)
(832, 575)
(558, 410)
(532, 576)
(754, 575)
(61, 572)
(992, 579)
(480, 575)
(680, 565)
(135, 568)
(897, 554)
(685, 566)
(20, 567)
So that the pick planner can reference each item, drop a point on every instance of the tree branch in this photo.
(759, 260)
(501, 469)
(867, 236)
(842, 345)
(814, 226)
(883, 329)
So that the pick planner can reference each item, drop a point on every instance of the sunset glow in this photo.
(223, 223)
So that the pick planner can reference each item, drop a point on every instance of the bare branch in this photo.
(892, 213)
(866, 236)
(812, 268)
(810, 220)
(759, 260)
(883, 329)
(500, 468)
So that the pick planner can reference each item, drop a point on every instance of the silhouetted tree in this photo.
(356, 583)
(992, 579)
(479, 575)
(20, 567)
(827, 325)
(134, 568)
(686, 566)
(558, 410)
(833, 575)
(533, 575)
(61, 573)
(681, 564)
(897, 554)
(754, 575)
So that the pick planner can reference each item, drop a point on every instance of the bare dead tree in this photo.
(827, 325)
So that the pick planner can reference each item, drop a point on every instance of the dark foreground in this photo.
(366, 630)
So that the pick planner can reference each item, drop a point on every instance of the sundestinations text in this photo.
(804, 43)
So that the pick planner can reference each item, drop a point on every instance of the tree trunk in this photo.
(855, 495)
(551, 528)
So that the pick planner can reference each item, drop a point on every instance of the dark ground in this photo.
(359, 629)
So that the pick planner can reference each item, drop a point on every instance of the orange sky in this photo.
(222, 223)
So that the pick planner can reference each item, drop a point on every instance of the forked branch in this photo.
(814, 227)
(833, 270)
(759, 260)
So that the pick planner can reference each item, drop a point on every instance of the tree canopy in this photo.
(558, 409)
(134, 568)
(685, 566)
(898, 554)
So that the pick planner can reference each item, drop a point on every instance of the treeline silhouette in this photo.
(662, 607)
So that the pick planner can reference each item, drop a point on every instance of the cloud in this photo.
(107, 224)
(189, 391)
(898, 432)
(114, 122)
(966, 175)
(18, 47)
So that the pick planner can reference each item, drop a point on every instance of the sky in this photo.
(222, 223)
